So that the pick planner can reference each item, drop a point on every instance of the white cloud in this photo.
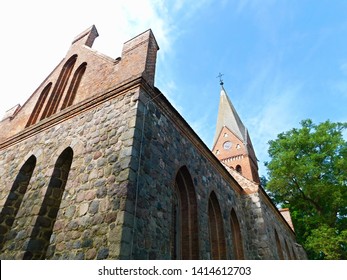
(38, 35)
(281, 111)
(270, 104)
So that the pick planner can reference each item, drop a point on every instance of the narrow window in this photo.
(287, 250)
(184, 233)
(39, 104)
(43, 228)
(294, 255)
(236, 236)
(58, 90)
(216, 229)
(15, 198)
(71, 93)
(239, 169)
(279, 247)
(176, 226)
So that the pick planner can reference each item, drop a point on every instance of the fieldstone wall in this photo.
(166, 143)
(116, 202)
(165, 148)
(90, 221)
(96, 180)
(287, 242)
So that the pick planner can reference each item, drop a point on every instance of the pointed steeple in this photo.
(228, 117)
(232, 144)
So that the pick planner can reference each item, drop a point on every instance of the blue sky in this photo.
(283, 61)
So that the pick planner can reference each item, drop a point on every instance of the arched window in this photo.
(71, 93)
(216, 229)
(287, 250)
(239, 169)
(236, 236)
(294, 255)
(59, 88)
(39, 104)
(184, 232)
(279, 247)
(176, 226)
(15, 198)
(43, 228)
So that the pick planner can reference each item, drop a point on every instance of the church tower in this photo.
(232, 144)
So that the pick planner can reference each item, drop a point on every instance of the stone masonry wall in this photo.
(165, 149)
(166, 144)
(290, 249)
(90, 220)
(96, 180)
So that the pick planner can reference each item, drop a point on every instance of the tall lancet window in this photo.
(176, 226)
(216, 229)
(15, 198)
(279, 247)
(39, 104)
(236, 236)
(71, 93)
(58, 90)
(289, 256)
(43, 228)
(184, 222)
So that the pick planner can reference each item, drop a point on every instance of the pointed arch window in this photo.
(71, 93)
(184, 232)
(216, 229)
(59, 88)
(15, 198)
(176, 226)
(294, 255)
(236, 236)
(39, 104)
(239, 169)
(279, 247)
(287, 250)
(43, 228)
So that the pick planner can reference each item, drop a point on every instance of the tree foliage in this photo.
(308, 174)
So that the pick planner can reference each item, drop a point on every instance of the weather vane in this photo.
(220, 78)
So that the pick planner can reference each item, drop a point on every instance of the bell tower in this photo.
(232, 144)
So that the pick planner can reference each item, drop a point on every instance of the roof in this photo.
(228, 117)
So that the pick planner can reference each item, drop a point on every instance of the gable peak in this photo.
(87, 37)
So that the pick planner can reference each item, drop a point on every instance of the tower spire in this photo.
(232, 144)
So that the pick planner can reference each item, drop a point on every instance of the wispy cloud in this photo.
(271, 104)
(281, 112)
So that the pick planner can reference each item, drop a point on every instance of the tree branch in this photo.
(305, 197)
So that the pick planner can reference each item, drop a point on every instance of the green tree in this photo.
(307, 173)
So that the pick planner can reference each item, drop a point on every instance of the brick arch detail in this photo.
(76, 80)
(15, 198)
(59, 88)
(216, 228)
(289, 255)
(39, 105)
(185, 225)
(43, 228)
(236, 236)
(279, 246)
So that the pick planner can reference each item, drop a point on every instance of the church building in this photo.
(97, 164)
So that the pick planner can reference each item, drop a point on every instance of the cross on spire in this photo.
(220, 78)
